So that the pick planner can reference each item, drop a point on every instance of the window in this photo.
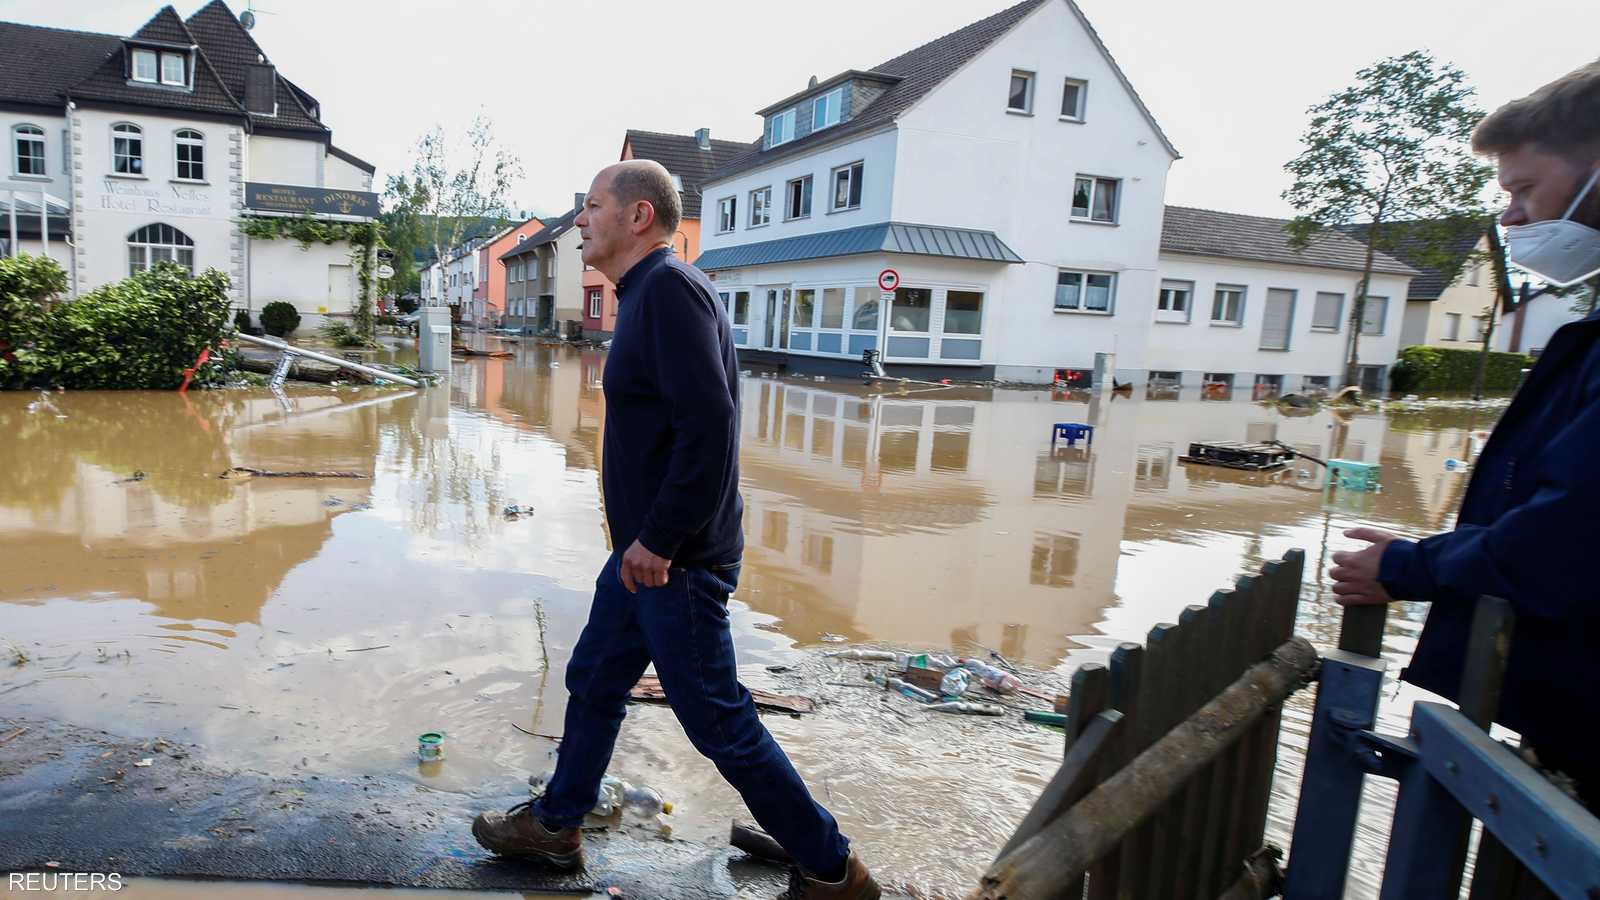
(741, 307)
(1452, 326)
(797, 202)
(1372, 316)
(159, 243)
(963, 312)
(832, 308)
(1172, 304)
(1473, 276)
(127, 149)
(521, 238)
(912, 309)
(780, 128)
(805, 308)
(847, 186)
(1481, 328)
(1085, 291)
(1216, 386)
(29, 150)
(1020, 99)
(760, 207)
(172, 69)
(865, 316)
(677, 183)
(190, 146)
(1227, 305)
(727, 214)
(1277, 320)
(596, 298)
(1095, 199)
(826, 110)
(144, 65)
(1073, 95)
(1327, 312)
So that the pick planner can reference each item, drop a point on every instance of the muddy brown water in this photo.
(320, 625)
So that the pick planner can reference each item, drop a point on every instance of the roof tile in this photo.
(1206, 232)
(682, 156)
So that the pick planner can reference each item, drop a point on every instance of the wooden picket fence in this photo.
(1171, 749)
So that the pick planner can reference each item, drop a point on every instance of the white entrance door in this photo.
(773, 305)
(340, 295)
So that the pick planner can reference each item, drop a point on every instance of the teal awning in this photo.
(884, 237)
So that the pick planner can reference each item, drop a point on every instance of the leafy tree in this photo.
(1392, 147)
(451, 184)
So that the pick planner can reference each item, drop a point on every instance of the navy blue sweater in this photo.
(671, 464)
(1526, 533)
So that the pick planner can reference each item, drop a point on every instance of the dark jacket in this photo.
(1526, 533)
(670, 468)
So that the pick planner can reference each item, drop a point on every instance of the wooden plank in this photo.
(1497, 872)
(1127, 692)
(1225, 611)
(1197, 797)
(649, 690)
(1282, 602)
(1090, 695)
(1251, 632)
(1361, 629)
(1156, 711)
(1166, 835)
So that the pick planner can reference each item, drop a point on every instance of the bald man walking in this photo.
(671, 477)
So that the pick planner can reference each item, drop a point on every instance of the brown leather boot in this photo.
(857, 884)
(518, 833)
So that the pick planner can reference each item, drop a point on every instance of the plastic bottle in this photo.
(942, 662)
(994, 679)
(900, 684)
(955, 682)
(615, 794)
(962, 707)
(867, 655)
(644, 801)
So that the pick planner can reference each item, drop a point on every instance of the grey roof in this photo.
(72, 55)
(884, 237)
(682, 156)
(1206, 232)
(918, 72)
(552, 230)
(1408, 242)
(91, 67)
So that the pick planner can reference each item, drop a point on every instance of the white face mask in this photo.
(1560, 251)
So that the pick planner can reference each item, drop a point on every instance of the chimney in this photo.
(811, 84)
(577, 201)
(260, 89)
(702, 138)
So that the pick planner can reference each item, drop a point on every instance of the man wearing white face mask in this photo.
(1526, 529)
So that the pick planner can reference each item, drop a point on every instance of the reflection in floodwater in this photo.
(919, 517)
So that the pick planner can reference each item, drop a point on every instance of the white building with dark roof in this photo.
(154, 146)
(1007, 172)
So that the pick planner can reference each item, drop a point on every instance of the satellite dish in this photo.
(247, 19)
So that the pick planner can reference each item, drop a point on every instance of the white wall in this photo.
(569, 277)
(876, 152)
(336, 173)
(277, 160)
(281, 270)
(1198, 346)
(1544, 315)
(110, 207)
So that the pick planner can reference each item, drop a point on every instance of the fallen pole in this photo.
(331, 360)
(1062, 850)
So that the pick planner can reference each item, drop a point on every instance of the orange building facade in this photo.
(492, 272)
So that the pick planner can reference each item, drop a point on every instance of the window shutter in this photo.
(1279, 315)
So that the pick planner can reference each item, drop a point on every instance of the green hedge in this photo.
(1449, 369)
(141, 332)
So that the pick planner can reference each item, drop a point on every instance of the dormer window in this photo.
(780, 128)
(826, 109)
(144, 65)
(172, 69)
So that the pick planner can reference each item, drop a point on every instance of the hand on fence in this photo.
(1355, 572)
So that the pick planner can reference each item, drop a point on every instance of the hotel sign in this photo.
(288, 198)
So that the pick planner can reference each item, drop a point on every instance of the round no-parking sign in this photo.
(888, 280)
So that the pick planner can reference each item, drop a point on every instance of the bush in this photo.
(241, 321)
(141, 332)
(387, 319)
(279, 318)
(341, 335)
(1450, 369)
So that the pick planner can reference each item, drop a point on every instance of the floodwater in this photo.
(319, 625)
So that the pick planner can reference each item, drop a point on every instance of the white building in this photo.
(153, 147)
(1007, 172)
(430, 284)
(1529, 328)
(1238, 309)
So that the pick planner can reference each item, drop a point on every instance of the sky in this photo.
(1228, 80)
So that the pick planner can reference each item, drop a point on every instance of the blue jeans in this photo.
(683, 628)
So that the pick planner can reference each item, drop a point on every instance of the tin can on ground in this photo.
(430, 747)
